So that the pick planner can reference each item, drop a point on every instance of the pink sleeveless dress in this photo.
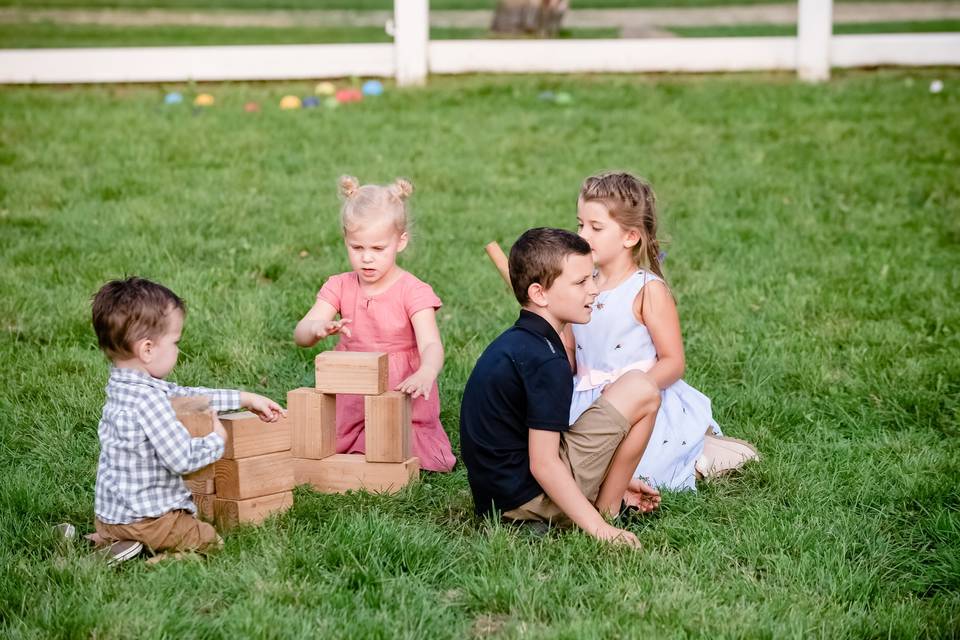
(382, 323)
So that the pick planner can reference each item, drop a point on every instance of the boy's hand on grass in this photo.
(609, 533)
(265, 408)
(325, 329)
(419, 384)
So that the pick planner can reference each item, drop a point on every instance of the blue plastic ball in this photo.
(372, 88)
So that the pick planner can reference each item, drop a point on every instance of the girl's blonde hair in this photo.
(633, 205)
(373, 203)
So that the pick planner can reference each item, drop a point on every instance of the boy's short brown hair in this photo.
(538, 255)
(125, 311)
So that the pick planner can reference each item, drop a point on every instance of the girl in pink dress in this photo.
(383, 308)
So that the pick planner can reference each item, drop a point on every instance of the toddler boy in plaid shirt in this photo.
(144, 449)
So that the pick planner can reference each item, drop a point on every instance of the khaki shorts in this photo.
(176, 530)
(587, 448)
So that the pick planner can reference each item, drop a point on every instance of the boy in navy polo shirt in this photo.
(522, 457)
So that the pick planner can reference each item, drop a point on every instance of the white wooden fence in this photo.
(413, 56)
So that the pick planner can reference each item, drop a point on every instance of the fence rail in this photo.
(412, 56)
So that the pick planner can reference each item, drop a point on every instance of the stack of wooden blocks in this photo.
(388, 465)
(262, 461)
(253, 479)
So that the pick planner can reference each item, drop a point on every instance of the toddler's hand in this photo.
(218, 426)
(325, 329)
(610, 533)
(419, 384)
(265, 408)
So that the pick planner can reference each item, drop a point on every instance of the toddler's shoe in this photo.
(722, 455)
(121, 551)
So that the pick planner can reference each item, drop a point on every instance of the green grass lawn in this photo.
(814, 251)
(46, 34)
(929, 26)
(371, 4)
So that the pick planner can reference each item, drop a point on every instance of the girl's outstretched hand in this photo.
(265, 408)
(419, 384)
(325, 329)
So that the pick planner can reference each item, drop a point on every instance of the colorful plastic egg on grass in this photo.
(349, 95)
(325, 89)
(251, 107)
(372, 88)
(310, 102)
(204, 100)
(290, 102)
(173, 98)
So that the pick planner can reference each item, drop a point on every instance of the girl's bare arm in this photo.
(655, 308)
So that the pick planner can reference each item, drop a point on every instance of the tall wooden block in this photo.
(387, 427)
(230, 513)
(205, 506)
(254, 477)
(249, 436)
(313, 420)
(343, 471)
(202, 487)
(351, 372)
(194, 413)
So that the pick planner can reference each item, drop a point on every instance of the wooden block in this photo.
(351, 372)
(387, 427)
(248, 436)
(313, 419)
(202, 487)
(230, 513)
(254, 477)
(206, 474)
(343, 471)
(205, 506)
(194, 413)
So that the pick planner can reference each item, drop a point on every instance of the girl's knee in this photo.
(634, 394)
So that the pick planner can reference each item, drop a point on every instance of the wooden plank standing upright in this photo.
(387, 427)
(313, 419)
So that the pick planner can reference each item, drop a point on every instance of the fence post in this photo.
(814, 30)
(411, 19)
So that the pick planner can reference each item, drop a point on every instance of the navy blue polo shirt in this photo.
(522, 381)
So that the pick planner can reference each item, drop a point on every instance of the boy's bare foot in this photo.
(641, 496)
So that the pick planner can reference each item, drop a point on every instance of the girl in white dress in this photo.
(635, 327)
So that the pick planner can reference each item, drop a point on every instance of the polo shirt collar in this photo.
(538, 325)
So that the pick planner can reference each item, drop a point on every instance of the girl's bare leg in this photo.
(637, 398)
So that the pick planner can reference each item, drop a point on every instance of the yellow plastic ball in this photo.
(290, 102)
(325, 89)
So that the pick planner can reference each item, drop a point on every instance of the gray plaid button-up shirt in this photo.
(144, 450)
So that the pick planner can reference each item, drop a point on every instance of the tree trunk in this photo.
(529, 17)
